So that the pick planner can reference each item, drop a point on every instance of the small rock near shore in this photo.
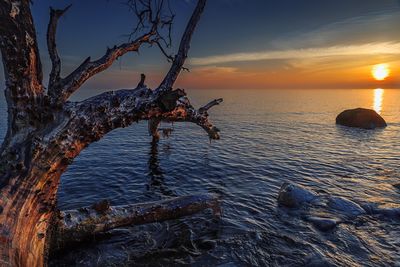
(323, 224)
(345, 206)
(291, 195)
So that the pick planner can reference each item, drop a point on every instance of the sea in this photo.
(268, 137)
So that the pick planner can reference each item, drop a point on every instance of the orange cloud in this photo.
(339, 73)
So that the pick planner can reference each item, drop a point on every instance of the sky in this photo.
(239, 44)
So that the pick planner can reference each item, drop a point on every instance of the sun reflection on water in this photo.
(378, 99)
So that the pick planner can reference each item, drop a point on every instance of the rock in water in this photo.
(345, 206)
(361, 118)
(388, 212)
(317, 259)
(291, 195)
(384, 210)
(323, 224)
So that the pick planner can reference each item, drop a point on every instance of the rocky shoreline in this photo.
(325, 211)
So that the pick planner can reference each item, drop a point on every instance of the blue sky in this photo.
(258, 41)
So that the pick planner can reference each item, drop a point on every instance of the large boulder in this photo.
(361, 118)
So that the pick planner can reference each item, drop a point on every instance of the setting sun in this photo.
(380, 72)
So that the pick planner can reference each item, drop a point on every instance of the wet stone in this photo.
(361, 118)
(323, 224)
(291, 195)
(345, 207)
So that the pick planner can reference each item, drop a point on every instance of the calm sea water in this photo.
(268, 137)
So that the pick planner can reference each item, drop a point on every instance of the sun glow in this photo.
(380, 72)
(378, 100)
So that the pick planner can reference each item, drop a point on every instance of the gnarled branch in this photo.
(184, 47)
(89, 68)
(150, 13)
(184, 111)
(55, 15)
(96, 116)
(206, 107)
(150, 17)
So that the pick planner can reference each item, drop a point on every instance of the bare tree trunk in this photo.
(27, 216)
(20, 176)
(46, 132)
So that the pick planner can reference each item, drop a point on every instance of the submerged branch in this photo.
(79, 225)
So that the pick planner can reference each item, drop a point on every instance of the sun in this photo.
(380, 72)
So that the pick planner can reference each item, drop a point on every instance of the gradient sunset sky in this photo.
(247, 44)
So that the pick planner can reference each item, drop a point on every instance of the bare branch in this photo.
(89, 68)
(184, 111)
(170, 58)
(142, 80)
(143, 12)
(184, 46)
(152, 17)
(155, 13)
(55, 15)
(96, 116)
(206, 107)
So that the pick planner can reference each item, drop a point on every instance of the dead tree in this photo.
(46, 131)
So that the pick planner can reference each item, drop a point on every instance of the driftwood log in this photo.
(75, 226)
(46, 131)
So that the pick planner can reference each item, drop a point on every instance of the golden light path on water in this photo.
(378, 99)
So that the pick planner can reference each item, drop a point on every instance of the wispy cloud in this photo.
(378, 26)
(385, 48)
(214, 70)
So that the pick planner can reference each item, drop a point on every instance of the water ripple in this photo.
(268, 137)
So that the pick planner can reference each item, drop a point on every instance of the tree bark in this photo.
(22, 67)
(75, 226)
(46, 132)
(20, 176)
